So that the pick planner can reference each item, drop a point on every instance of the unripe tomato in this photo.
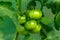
(22, 30)
(35, 14)
(22, 19)
(30, 24)
(37, 28)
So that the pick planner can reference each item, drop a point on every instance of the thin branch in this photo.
(16, 36)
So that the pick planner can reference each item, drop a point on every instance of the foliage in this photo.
(11, 29)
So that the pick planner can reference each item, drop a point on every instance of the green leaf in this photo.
(53, 35)
(11, 3)
(7, 29)
(54, 5)
(10, 13)
(21, 37)
(24, 4)
(48, 13)
(5, 11)
(58, 19)
(44, 1)
(49, 17)
(28, 38)
(6, 4)
(36, 36)
(38, 5)
(46, 20)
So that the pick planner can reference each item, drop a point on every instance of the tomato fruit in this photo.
(37, 28)
(22, 30)
(22, 19)
(30, 24)
(35, 14)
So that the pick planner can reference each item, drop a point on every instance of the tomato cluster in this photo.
(29, 23)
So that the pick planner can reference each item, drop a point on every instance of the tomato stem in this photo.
(16, 37)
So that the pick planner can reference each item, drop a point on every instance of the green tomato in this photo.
(22, 19)
(37, 28)
(22, 30)
(29, 25)
(35, 14)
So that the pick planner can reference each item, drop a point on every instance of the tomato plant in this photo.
(29, 19)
